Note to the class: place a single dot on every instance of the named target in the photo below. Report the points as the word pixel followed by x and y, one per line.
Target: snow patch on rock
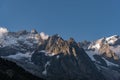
pixel 20 55
pixel 3 31
pixel 44 36
pixel 96 46
pixel 110 63
pixel 112 39
pixel 91 54
pixel 45 71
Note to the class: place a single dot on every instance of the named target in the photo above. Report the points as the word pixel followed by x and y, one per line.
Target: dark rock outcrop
pixel 5 51
pixel 34 31
pixel 11 71
pixel 65 60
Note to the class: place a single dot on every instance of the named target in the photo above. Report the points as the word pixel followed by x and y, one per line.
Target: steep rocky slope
pixel 105 54
pixel 11 71
pixel 49 57
pixel 61 59
pixel 53 58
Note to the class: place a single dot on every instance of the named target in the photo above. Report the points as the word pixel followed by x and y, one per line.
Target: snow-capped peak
pixel 44 36
pixel 112 39
pixel 108 45
pixel 114 36
pixel 97 44
pixel 3 31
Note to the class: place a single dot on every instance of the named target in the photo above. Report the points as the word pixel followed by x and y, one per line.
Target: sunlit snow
pixel 44 36
pixel 3 31
pixel 112 39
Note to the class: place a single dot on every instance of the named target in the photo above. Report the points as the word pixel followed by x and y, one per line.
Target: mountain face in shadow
pixel 11 71
pixel 66 60
pixel 53 58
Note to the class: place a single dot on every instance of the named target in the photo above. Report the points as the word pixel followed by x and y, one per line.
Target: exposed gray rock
pixel 68 62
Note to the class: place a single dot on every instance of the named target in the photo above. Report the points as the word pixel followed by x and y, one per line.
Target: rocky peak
pixel 84 44
pixel 67 59
pixel 34 31
pixel 67 62
pixel 71 40
pixel 22 32
pixel 55 44
pixel 54 38
pixel 103 46
pixel 113 40
pixel 105 50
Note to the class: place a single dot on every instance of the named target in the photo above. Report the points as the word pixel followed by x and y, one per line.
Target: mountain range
pixel 53 58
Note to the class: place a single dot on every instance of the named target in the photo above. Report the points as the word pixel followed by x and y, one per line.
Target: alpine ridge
pixel 53 58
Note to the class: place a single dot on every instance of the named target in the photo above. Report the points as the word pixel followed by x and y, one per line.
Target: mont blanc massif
pixel 31 55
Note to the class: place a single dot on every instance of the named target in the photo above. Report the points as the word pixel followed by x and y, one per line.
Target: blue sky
pixel 81 19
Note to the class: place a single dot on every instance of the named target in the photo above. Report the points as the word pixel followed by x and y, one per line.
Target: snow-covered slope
pixel 105 53
pixel 22 44
pixel 107 47
pixel 112 43
pixel 51 56
pixel 11 38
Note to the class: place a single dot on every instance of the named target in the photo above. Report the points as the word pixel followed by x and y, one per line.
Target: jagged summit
pixel 112 40
pixel 105 52
pixel 33 31
pixel 53 58
pixel 107 46
pixel 14 38
pixel 49 57
pixel 55 45
pixel 67 58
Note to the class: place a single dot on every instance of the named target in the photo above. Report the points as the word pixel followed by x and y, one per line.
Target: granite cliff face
pixel 105 53
pixel 104 48
pixel 65 60
pixel 53 58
